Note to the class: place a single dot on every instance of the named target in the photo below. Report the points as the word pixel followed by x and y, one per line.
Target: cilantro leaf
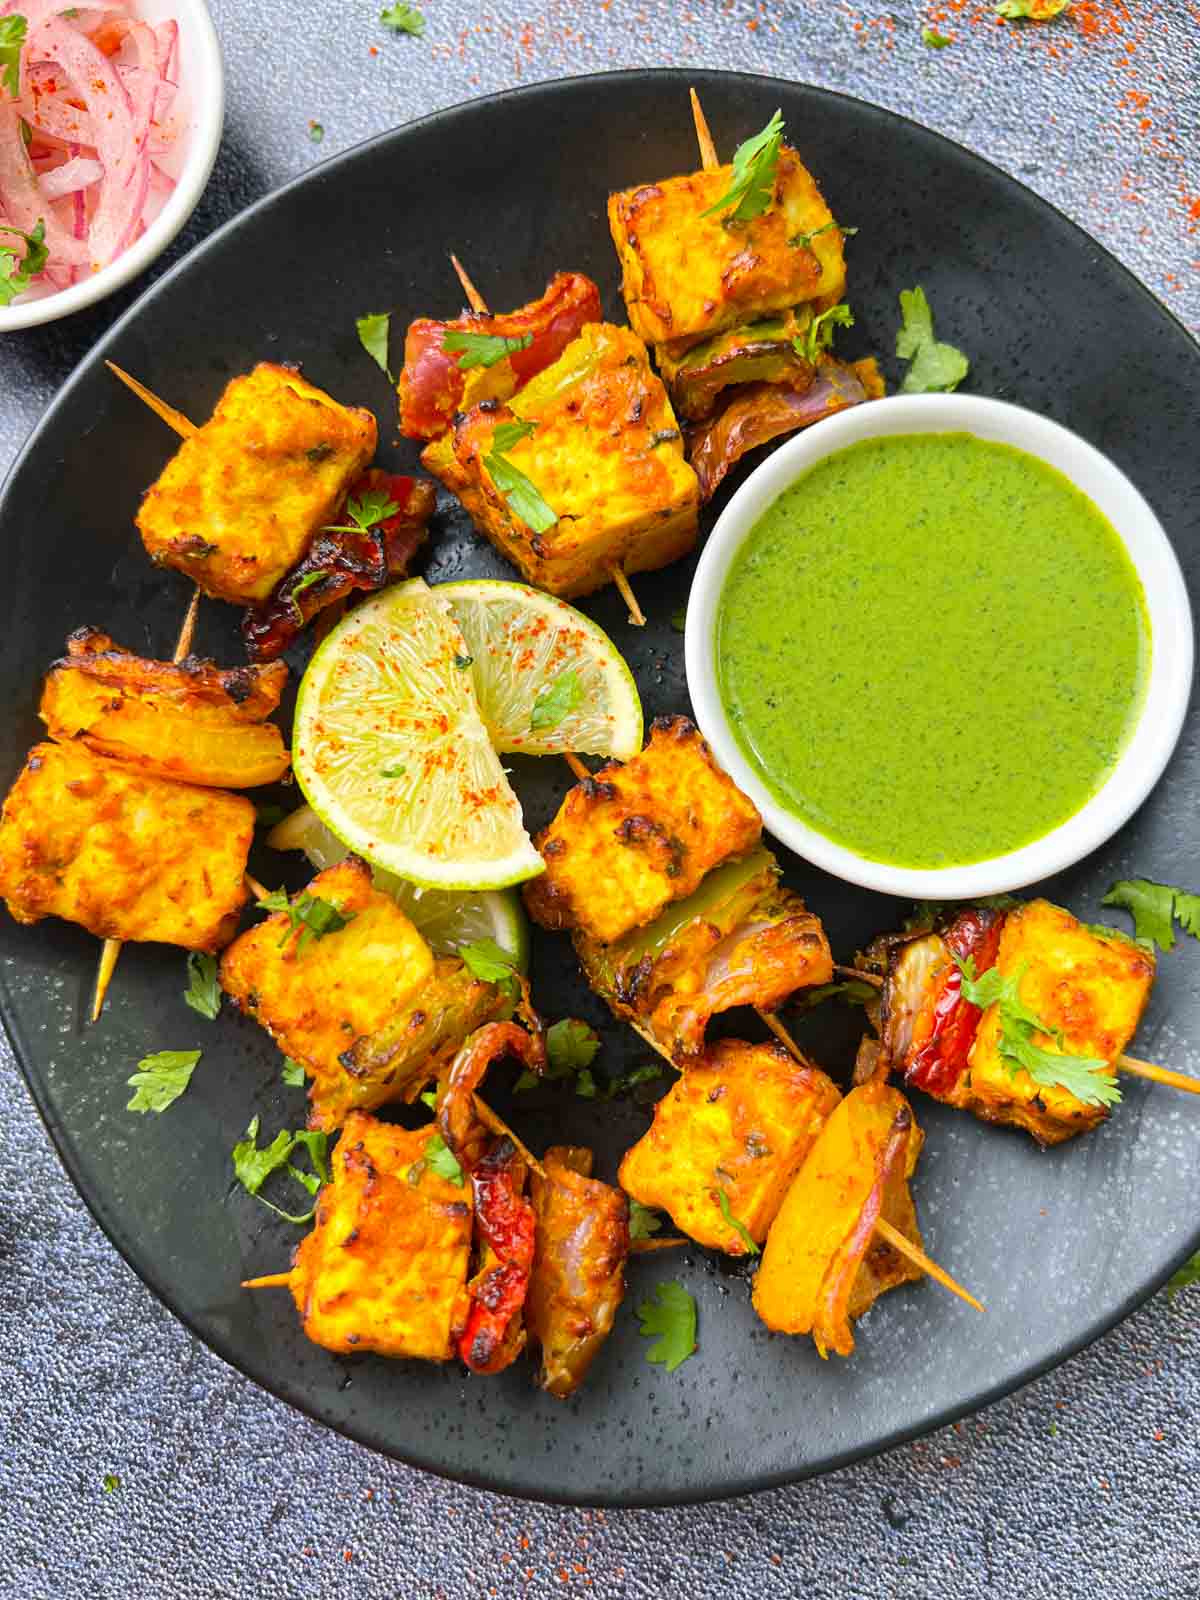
pixel 292 1073
pixel 1036 10
pixel 555 700
pixel 1188 1273
pixel 160 1079
pixel 316 132
pixel 482 349
pixel 203 992
pixel 489 962
pixel 374 506
pixel 522 496
pixel 298 588
pixel 671 1319
pixel 818 335
pixel 428 1097
pixel 110 1481
pixel 642 1221
pixel 12 37
pixel 803 241
pixel 752 183
pixel 441 1159
pixel 252 1166
pixel 585 1084
pixel 404 19
pixel 373 330
pixel 934 39
pixel 570 1047
pixel 735 1223
pixel 936 368
pixel 1153 906
pixel 17 272
pixel 308 912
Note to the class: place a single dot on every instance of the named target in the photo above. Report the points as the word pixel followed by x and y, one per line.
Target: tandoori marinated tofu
pixel 124 854
pixel 186 720
pixel 740 939
pixel 385 1266
pixel 364 1007
pixel 240 502
pixel 1089 988
pixel 823 1263
pixel 635 837
pixel 596 438
pixel 739 1124
pixel 686 275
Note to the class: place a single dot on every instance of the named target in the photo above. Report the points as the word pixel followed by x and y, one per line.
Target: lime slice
pixel 392 754
pixel 547 679
pixel 447 918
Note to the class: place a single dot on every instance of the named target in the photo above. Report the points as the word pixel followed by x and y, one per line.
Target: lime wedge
pixel 392 754
pixel 547 679
pixel 447 918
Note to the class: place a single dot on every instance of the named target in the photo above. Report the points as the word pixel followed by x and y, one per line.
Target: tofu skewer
pixel 475 300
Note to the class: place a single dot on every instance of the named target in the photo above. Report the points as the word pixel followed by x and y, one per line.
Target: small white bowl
pixel 1167 691
pixel 201 101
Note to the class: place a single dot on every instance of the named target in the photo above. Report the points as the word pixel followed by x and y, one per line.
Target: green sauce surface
pixel 932 649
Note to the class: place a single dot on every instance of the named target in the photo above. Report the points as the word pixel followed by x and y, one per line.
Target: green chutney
pixel 932 649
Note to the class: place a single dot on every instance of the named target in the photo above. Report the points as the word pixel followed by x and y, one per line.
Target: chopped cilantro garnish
pixel 372 507
pixel 555 700
pixel 482 349
pixel 522 496
pixel 803 241
pixel 203 992
pixel 292 1073
pixel 1154 907
pixel 752 183
pixel 12 37
pixel 160 1079
pixel 934 39
pixel 570 1047
pixel 17 272
pixel 298 588
pixel 818 335
pixel 312 915
pixel 936 368
pixel 735 1223
pixel 490 963
pixel 316 132
pixel 252 1166
pixel 403 19
pixel 110 1480
pixel 1035 10
pixel 373 332
pixel 670 1318
pixel 642 1221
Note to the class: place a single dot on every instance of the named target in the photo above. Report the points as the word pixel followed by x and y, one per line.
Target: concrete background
pixel 1082 1484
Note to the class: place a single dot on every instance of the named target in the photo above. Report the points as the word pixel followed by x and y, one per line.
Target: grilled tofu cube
pixel 578 1278
pixel 366 1009
pixel 636 837
pixel 738 940
pixel 823 1264
pixel 240 502
pixel 606 456
pixel 186 720
pixel 741 1122
pixel 685 275
pixel 125 855
pixel 385 1266
pixel 1090 987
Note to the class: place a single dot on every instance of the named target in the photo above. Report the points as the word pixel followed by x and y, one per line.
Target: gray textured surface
pixel 1082 1484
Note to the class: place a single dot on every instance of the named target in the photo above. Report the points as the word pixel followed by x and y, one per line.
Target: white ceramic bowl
pixel 202 103
pixel 1167 692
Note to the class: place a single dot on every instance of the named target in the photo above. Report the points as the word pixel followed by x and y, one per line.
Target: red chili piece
pixel 953 1022
pixel 506 1221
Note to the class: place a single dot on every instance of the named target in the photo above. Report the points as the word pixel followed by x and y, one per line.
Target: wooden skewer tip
pixel 576 766
pixel 917 1256
pixel 173 419
pixel 273 1280
pixel 183 645
pixel 637 616
pixel 784 1037
pixel 258 890
pixel 109 954
pixel 708 150
pixel 498 1126
pixel 474 299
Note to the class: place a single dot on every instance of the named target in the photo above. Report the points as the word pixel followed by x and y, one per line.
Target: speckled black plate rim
pixel 936 1418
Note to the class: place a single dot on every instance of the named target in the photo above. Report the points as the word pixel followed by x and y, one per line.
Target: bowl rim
pixel 207 98
pixel 1168 689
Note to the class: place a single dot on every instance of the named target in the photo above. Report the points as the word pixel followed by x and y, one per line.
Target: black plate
pixel 1057 1245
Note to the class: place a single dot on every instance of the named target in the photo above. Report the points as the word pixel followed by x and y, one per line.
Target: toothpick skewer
pixel 576 766
pixel 501 1129
pixel 917 1256
pixel 272 1280
pixel 708 150
pixel 784 1037
pixel 173 419
pixel 480 306
pixel 258 890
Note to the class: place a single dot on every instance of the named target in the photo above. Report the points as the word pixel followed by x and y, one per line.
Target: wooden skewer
pixel 173 419
pixel 708 150
pixel 918 1258
pixel 272 1280
pixel 498 1126
pixel 258 890
pixel 576 766
pixel 480 306
pixel 784 1037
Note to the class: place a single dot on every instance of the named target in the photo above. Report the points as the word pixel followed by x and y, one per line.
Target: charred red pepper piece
pixel 431 385
pixel 338 562
pixel 506 1223
pixel 946 1028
